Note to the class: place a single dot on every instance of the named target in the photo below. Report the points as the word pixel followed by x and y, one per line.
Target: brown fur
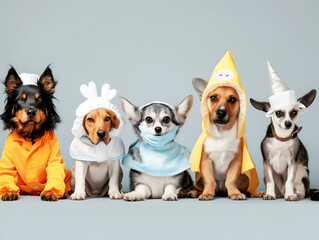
pixel 223 94
pixel 8 196
pixel 12 83
pixel 24 127
pixel 100 123
pixel 205 180
pixel 49 196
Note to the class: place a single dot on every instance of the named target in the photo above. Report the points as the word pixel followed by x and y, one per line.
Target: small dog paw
pixel 206 196
pixel 49 196
pixel 133 196
pixel 269 197
pixel 169 197
pixel 8 196
pixel 193 194
pixel 260 194
pixel 292 197
pixel 77 196
pixel 238 196
pixel 115 195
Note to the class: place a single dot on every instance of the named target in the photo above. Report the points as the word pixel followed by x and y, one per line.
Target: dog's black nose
pixel 288 124
pixel 221 113
pixel 101 134
pixel 158 129
pixel 31 112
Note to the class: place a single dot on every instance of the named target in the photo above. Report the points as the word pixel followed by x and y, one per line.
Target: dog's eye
pixel 213 98
pixel 107 119
pixel 166 119
pixel 232 100
pixel 293 113
pixel 39 100
pixel 279 114
pixel 148 119
pixel 21 100
pixel 90 119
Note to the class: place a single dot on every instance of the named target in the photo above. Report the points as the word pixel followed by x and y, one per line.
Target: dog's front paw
pixel 9 196
pixel 238 196
pixel 49 196
pixel 292 197
pixel 133 196
pixel 169 197
pixel 269 197
pixel 77 196
pixel 260 194
pixel 193 194
pixel 115 194
pixel 206 196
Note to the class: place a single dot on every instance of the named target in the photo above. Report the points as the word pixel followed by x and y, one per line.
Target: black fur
pixel 314 195
pixel 12 104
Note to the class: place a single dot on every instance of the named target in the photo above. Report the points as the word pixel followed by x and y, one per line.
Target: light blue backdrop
pixel 151 50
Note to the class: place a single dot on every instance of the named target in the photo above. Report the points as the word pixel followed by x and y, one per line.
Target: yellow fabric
pixel 232 80
pixel 33 168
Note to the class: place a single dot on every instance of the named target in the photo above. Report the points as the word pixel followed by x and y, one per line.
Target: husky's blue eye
pixel 148 119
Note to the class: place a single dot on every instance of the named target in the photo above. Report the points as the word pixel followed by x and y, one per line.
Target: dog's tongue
pixel 101 152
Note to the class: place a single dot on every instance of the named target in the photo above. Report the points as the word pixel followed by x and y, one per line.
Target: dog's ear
pixel 262 106
pixel 308 98
pixel 114 119
pixel 84 125
pixel 199 86
pixel 183 109
pixel 46 81
pixel 130 110
pixel 12 80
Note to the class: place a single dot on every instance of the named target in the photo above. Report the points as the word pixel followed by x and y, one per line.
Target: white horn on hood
pixel 276 83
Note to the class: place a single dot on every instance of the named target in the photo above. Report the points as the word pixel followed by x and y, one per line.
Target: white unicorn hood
pixel 81 147
pixel 281 95
pixel 92 102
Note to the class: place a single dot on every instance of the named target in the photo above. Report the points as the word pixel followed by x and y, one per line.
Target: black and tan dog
pixel 31 162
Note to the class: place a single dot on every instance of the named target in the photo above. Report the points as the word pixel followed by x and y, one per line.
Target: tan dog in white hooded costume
pixel 96 147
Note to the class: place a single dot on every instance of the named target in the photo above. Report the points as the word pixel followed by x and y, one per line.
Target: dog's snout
pixel 158 129
pixel 288 124
pixel 101 134
pixel 221 113
pixel 31 112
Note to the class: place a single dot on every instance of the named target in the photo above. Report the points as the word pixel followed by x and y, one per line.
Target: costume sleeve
pixel 55 170
pixel 8 173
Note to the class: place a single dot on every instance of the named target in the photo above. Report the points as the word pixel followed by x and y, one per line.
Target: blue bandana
pixel 161 155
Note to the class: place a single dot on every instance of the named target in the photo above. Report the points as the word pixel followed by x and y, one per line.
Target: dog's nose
pixel 158 129
pixel 101 134
pixel 288 124
pixel 221 113
pixel 31 112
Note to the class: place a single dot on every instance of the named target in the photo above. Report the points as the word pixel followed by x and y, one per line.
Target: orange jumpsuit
pixel 33 168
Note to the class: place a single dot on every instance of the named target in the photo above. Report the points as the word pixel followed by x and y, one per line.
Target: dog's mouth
pixel 221 122
pixel 31 122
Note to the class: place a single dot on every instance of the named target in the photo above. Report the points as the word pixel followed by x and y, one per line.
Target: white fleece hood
pixel 81 147
pixel 92 102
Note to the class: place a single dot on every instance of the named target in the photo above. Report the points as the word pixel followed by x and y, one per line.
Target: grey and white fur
pixel 286 172
pixel 157 119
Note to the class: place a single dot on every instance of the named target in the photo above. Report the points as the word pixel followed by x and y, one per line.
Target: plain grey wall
pixel 151 50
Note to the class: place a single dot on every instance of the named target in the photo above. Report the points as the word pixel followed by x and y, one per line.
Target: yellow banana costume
pixel 225 74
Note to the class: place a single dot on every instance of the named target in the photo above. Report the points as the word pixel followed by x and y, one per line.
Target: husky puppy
pixel 285 158
pixel 155 123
